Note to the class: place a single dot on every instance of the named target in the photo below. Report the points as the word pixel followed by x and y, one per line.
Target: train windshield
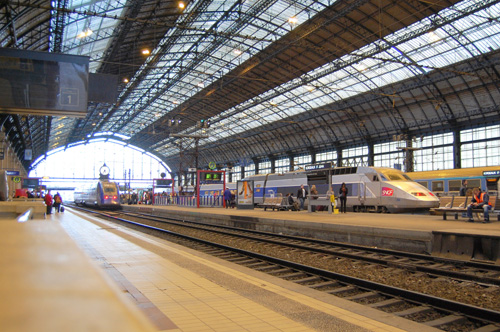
pixel 394 176
pixel 109 188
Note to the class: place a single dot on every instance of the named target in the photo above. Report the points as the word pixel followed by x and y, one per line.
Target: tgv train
pixel 448 182
pixel 102 194
pixel 371 189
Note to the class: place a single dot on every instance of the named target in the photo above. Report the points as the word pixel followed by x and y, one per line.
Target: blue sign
pixel 318 166
pixel 12 173
pixel 491 173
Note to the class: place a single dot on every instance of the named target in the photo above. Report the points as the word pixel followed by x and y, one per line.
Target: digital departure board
pixel 31 183
pixel 163 183
pixel 207 177
pixel 43 83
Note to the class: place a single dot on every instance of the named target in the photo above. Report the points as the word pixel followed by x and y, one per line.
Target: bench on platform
pixel 276 203
pixel 38 208
pixel 458 204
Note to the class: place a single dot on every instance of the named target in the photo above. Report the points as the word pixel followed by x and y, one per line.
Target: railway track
pixel 486 274
pixel 233 245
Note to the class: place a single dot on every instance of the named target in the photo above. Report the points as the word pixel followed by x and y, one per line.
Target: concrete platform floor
pixel 183 290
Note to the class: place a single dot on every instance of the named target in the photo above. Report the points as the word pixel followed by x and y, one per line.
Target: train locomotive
pixel 102 194
pixel 371 189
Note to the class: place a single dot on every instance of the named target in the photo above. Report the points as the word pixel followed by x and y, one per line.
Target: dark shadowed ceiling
pixel 274 78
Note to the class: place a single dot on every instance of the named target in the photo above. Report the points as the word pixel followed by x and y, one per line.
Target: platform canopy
pixel 260 79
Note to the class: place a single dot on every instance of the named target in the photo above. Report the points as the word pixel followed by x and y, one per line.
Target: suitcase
pixel 62 209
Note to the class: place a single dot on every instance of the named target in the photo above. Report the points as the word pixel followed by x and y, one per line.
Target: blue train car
pixel 448 182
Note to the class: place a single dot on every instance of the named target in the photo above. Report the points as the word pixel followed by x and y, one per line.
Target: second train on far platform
pixel 101 194
pixel 449 181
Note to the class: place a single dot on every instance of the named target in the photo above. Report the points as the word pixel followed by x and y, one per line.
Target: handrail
pixel 28 214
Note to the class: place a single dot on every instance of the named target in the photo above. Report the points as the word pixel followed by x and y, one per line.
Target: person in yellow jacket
pixel 333 199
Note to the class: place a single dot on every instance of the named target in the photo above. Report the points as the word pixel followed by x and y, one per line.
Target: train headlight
pixel 114 197
pixel 106 197
pixel 418 194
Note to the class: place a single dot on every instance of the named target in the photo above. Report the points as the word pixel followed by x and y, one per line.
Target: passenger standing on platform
pixel 57 202
pixel 479 201
pixel 331 196
pixel 314 195
pixel 233 200
pixel 48 202
pixel 343 198
pixel 301 196
pixel 227 198
pixel 463 188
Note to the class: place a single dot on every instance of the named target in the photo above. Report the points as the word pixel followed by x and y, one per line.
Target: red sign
pixel 387 191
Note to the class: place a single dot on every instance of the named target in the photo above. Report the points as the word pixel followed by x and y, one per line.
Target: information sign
pixel 318 166
pixel 491 173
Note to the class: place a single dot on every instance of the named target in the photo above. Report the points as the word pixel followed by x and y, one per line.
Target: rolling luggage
pixel 62 209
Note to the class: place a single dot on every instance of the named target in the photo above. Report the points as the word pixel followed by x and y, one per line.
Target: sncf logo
pixel 387 191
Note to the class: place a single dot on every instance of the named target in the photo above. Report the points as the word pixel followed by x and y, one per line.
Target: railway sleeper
pixel 257 264
pixel 492 274
pixel 326 284
pixel 362 296
pixel 414 311
pixel 241 260
pixel 387 303
pixel 214 251
pixel 225 255
pixel 296 275
pixel 310 279
pixel 488 328
pixel 250 261
pixel 268 268
pixel 446 320
pixel 281 271
pixel 341 290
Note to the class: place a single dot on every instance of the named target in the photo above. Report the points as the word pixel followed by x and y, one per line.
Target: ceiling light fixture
pixel 84 33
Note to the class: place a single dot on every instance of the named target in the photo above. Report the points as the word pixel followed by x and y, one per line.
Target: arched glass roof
pixel 349 70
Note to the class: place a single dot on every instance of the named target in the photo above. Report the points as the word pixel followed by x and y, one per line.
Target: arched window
pixel 82 161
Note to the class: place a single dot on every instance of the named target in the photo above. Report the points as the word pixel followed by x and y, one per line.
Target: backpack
pixel 58 199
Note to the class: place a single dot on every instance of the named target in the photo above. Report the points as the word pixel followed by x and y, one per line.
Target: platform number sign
pixel 69 97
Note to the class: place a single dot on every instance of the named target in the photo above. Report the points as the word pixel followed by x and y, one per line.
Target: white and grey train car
pixel 102 194
pixel 371 189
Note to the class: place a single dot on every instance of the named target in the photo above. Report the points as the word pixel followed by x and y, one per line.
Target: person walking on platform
pixel 57 202
pixel 480 200
pixel 343 198
pixel 48 202
pixel 227 198
pixel 301 196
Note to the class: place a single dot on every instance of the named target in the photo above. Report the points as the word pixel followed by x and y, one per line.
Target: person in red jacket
pixel 480 200
pixel 48 202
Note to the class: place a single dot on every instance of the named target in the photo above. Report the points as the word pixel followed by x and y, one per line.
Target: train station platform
pixel 48 284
